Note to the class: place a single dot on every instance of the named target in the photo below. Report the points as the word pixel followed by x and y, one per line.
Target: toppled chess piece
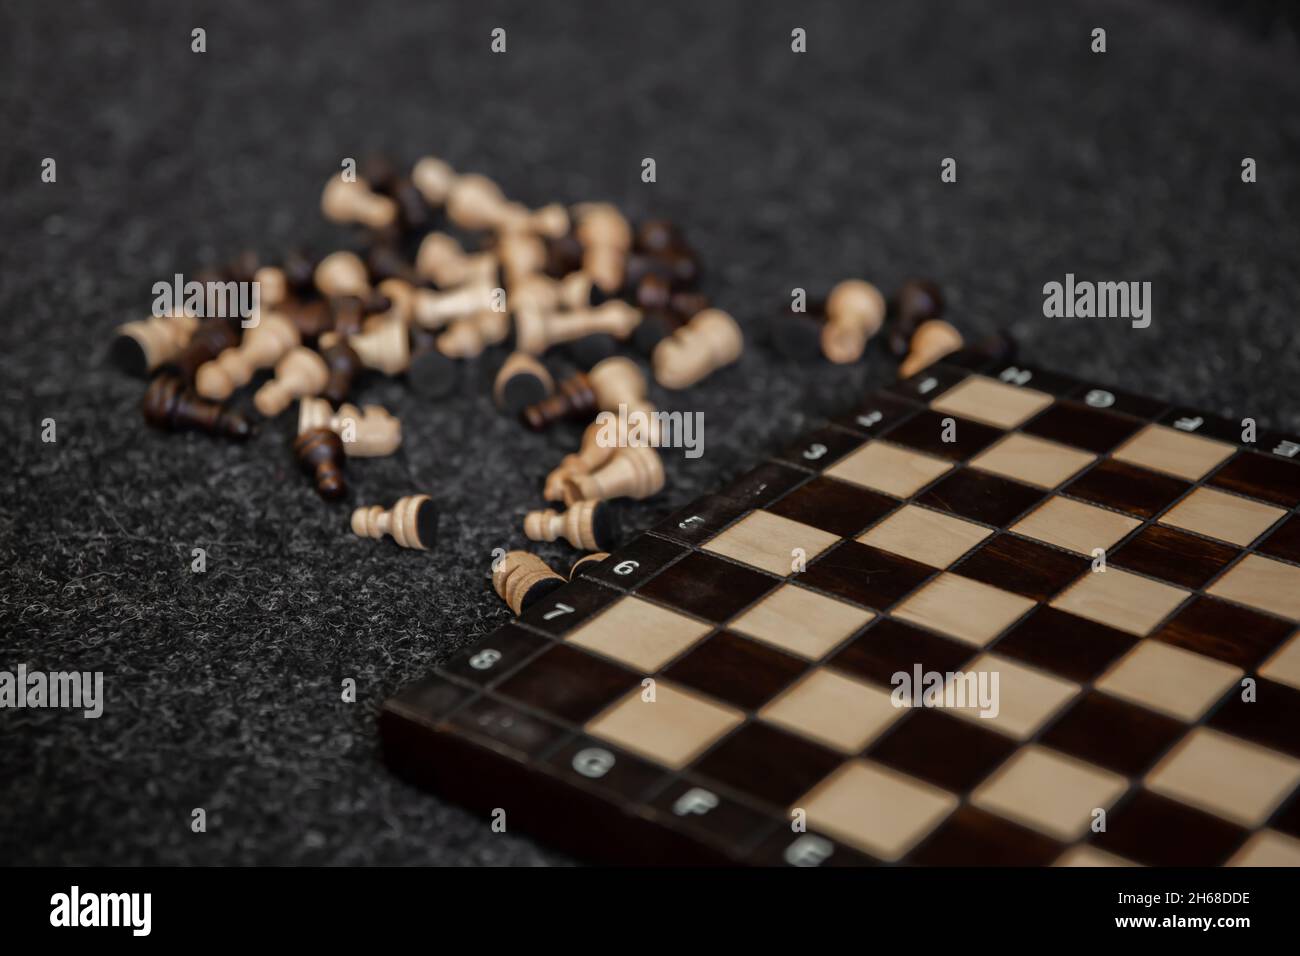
pixel 709 341
pixel 931 341
pixel 319 451
pixel 613 382
pixel 342 273
pixel 855 310
pixel 521 579
pixel 917 301
pixel 353 201
pixel 606 239
pixel 301 372
pixel 170 405
pixel 588 525
pixel 412 522
pixel 537 331
pixel 635 472
pixel 210 339
pixel 442 259
pixel 590 456
pixel 521 381
pixel 586 563
pixel 369 432
pixel 264 344
pixel 143 346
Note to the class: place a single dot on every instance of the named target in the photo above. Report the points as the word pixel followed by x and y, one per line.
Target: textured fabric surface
pixel 223 688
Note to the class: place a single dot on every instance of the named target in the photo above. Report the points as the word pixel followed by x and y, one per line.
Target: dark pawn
pixel 563 256
pixel 243 268
pixel 344 364
pixel 299 271
pixel 320 454
pixel 170 405
pixel 210 339
pixel 657 236
pixel 683 268
pixel 654 292
pixel 386 262
pixel 312 318
pixel 348 312
pixel 574 398
pixel 638 266
pixel 918 300
pixel 688 302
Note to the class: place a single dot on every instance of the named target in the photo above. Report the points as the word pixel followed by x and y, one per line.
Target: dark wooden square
pixel 930 383
pixel 890 646
pixel 1064 644
pixel 497 654
pixel 1127 488
pixel 708 587
pixel 1118 400
pixel 503 725
pixel 428 700
pixel 1267 477
pixel 737 670
pixel 569 683
pixel 982 497
pixel 1224 631
pixel 971 837
pixel 1195 422
pixel 1022 567
pixel 1156 831
pixel 946 751
pixel 834 506
pixel 1174 556
pixel 821 449
pixel 866 575
pixel 630 566
pixel 701 519
pixel 878 411
pixel 1285 541
pixel 568 606
pixel 1071 423
pixel 768 763
pixel 764 484
pixel 925 432
pixel 1113 733
pixel 1272 719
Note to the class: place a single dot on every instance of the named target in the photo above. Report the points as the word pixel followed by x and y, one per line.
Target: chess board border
pixel 433 735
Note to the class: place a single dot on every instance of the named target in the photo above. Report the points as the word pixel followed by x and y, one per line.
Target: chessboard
pixel 724 689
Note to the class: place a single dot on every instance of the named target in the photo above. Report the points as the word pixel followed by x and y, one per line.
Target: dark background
pixel 785 170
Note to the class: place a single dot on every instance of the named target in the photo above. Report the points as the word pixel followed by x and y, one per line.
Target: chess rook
pixel 521 579
pixel 520 382
pixel 170 405
pixel 142 346
pixel 634 472
pixel 301 372
pixel 353 202
pixel 264 344
pixel 917 301
pixel 320 454
pixel 706 343
pixel 615 381
pixel 412 522
pixel 855 311
pixel 369 432
pixel 588 525
pixel 931 341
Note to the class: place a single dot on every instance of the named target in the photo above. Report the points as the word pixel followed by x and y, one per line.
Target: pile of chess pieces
pixel 446 270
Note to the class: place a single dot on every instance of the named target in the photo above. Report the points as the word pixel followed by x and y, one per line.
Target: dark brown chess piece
pixel 170 405
pixel 210 339
pixel 319 452
pixel 344 364
pixel 613 382
pixel 917 301
pixel 312 318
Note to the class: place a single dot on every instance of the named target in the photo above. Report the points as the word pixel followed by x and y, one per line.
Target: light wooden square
pixel 1168 679
pixel 1075 526
pixel 1262 583
pixel 877 810
pixel 833 709
pixel 1121 600
pixel 1284 665
pixel 1049 792
pixel 1217 514
pixel 1268 848
pixel 673 729
pixel 927 536
pixel 971 611
pixel 1026 697
pixel 888 468
pixel 801 621
pixel 991 402
pixel 768 541
pixel 1226 776
pixel 1035 461
pixel 639 634
pixel 1082 854
pixel 1173 452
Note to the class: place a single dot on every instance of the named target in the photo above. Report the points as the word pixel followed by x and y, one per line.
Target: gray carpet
pixel 224 688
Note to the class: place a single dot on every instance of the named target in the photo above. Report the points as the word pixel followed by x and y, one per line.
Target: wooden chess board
pixel 697 697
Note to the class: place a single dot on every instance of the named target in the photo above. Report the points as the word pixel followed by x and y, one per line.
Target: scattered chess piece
pixel 590 350
pixel 312 318
pixel 855 310
pixel 433 310
pixel 343 363
pixel 586 563
pixel 588 525
pixel 319 452
pixel 653 292
pixel 931 341
pixel 655 326
pixel 342 273
pixel 433 178
pixel 386 349
pixel 520 254
pixel 298 268
pixel 170 405
pixel 537 331
pixel 264 344
pixel 349 202
pixel 412 522
pixel 709 341
pixel 210 339
pixel 563 255
pixel 301 372
pixel 430 374
pixel 521 381
pixel 476 203
pixel 918 300
pixel 615 381
pixel 443 260
pixel 468 337
pixel 272 286
pixel 413 212
pixel 384 262
pixel 688 303
pixel 369 432
pixel 657 237
pixel 589 456
pixel 635 472
pixel 142 346
pixel 521 579
pixel 606 240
